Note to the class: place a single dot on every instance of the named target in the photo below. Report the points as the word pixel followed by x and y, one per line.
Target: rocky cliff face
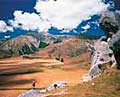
pixel 110 22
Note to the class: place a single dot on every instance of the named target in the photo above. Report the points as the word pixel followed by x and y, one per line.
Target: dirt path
pixel 14 79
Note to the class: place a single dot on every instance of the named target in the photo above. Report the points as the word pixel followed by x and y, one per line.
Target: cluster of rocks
pixel 43 92
pixel 110 22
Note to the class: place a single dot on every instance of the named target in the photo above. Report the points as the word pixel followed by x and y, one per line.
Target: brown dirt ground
pixel 14 79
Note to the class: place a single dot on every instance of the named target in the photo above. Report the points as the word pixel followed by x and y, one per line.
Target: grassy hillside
pixel 107 85
pixel 71 47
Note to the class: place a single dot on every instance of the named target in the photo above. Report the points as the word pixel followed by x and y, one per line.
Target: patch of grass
pixel 107 85
pixel 77 88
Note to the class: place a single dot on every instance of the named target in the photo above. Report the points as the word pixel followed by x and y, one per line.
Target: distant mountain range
pixel 27 44
pixel 19 46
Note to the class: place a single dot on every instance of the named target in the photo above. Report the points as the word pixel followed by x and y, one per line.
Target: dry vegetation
pixel 107 85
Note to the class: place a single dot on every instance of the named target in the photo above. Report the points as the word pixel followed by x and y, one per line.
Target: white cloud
pixel 66 30
pixel 96 23
pixel 86 27
pixel 7 36
pixel 4 27
pixel 68 13
pixel 10 28
pixel 65 15
pixel 29 21
pixel 75 31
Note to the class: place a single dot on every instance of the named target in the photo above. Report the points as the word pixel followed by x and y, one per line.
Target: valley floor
pixel 17 74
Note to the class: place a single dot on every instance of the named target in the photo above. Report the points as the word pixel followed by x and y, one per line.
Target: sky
pixel 60 17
